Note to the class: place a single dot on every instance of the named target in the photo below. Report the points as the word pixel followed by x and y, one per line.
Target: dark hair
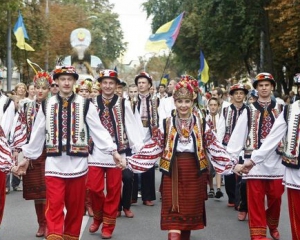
pixel 219 91
pixel 285 98
pixel 213 99
pixel 276 94
pixel 162 85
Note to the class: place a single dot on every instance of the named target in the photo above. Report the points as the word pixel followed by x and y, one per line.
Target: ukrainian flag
pixel 165 80
pixel 21 33
pixel 204 69
pixel 165 36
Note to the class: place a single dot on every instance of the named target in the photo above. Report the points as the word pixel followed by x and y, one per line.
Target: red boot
pixel 40 213
pixel 88 204
pixel 185 235
pixel 173 236
pixel 95 226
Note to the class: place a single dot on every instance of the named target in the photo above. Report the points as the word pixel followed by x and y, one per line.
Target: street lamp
pixel 284 75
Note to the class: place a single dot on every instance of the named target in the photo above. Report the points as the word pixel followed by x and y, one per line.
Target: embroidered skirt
pixel 34 186
pixel 191 194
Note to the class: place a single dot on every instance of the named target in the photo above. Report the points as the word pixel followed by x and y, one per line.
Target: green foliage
pixel 228 32
pixel 52 35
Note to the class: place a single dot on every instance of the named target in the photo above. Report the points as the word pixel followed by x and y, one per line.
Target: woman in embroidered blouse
pixel 184 165
pixel 34 187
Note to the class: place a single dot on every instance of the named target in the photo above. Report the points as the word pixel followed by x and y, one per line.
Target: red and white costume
pixel 64 125
pixel 286 127
pixel 265 179
pixel 118 119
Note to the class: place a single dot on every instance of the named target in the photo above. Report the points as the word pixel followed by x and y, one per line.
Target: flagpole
pixel 8 60
pixel 167 63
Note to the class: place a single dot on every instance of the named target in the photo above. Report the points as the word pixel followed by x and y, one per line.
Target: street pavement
pixel 19 222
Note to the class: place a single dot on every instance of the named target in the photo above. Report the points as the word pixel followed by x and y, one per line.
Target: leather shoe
pixel 106 235
pixel 94 227
pixel 128 213
pixel 133 201
pixel 148 203
pixel 242 216
pixel 118 214
pixel 275 234
pixel 230 205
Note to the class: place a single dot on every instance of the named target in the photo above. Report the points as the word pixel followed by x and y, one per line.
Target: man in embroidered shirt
pixel 285 127
pixel 117 117
pixel 147 107
pixel 265 179
pixel 226 125
pixel 68 119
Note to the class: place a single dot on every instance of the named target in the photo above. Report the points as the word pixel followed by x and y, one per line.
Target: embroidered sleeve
pixel 144 159
pixel 220 159
pixel 19 137
pixel 5 154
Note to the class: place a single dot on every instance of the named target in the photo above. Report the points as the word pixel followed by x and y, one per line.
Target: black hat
pixel 264 77
pixel 65 70
pixel 143 75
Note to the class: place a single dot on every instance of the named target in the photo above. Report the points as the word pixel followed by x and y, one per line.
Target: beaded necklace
pixel 184 128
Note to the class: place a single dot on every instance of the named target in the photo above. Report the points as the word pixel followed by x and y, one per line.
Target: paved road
pixel 19 222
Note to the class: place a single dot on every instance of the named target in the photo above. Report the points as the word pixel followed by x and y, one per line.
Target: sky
pixel 135 25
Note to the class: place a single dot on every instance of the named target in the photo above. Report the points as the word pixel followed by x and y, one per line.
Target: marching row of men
pixel 61 129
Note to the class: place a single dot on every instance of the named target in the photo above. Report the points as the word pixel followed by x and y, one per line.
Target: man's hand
pixel 248 165
pixel 117 158
pixel 22 167
pixel 238 169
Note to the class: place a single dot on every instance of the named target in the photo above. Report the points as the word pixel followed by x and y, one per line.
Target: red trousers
pixel 294 210
pixel 2 194
pixel 259 217
pixel 60 193
pixel 105 207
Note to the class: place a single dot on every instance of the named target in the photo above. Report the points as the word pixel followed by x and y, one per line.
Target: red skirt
pixel 34 186
pixel 192 193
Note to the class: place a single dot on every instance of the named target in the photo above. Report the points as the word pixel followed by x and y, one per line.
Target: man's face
pixel 132 92
pixel 162 89
pixel 108 86
pixel 213 106
pixel 264 89
pixel 66 84
pixel 171 86
pixel 143 85
pixel 54 88
pixel 214 94
pixel 238 96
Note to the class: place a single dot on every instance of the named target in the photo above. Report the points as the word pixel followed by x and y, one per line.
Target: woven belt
pixel 145 123
pixel 64 148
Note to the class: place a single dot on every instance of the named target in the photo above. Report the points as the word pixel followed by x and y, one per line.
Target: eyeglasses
pixel 54 85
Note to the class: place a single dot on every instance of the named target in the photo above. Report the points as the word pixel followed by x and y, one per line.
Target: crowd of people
pixel 96 144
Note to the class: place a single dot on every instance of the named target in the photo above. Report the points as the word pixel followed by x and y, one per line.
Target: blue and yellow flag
pixel 165 36
pixel 203 71
pixel 165 80
pixel 21 33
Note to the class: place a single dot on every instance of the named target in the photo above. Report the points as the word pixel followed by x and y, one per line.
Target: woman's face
pixel 21 91
pixel 42 93
pixel 31 90
pixel 183 107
